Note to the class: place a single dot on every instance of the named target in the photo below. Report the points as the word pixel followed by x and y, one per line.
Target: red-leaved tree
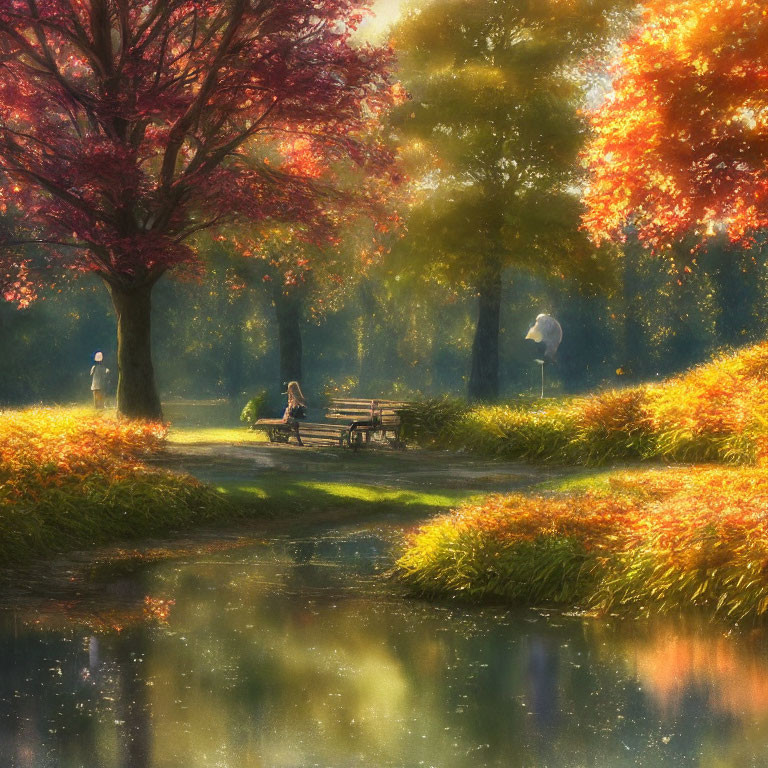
pixel 680 144
pixel 127 127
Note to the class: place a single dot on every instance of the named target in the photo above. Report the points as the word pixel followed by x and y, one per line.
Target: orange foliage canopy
pixel 680 144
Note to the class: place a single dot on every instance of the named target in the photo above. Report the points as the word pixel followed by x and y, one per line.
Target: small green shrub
pixel 534 433
pixel 254 408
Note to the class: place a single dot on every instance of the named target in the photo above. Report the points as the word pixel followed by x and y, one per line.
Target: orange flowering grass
pixel 71 477
pixel 715 412
pixel 44 447
pixel 647 541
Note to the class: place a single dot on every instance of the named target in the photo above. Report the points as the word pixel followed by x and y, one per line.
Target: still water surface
pixel 295 652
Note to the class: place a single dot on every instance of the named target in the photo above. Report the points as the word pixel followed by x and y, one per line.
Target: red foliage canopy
pixel 681 142
pixel 127 126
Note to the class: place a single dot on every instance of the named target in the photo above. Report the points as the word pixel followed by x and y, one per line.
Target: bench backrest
pixel 363 409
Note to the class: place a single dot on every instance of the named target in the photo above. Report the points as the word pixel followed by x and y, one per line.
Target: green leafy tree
pixel 492 134
pixel 303 280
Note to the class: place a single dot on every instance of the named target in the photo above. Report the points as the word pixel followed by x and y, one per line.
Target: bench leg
pixel 278 435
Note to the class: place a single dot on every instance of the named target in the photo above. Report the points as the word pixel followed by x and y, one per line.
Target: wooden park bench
pixel 350 422
pixel 369 419
pixel 305 432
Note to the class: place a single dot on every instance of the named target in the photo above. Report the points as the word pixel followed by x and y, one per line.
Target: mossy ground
pixel 283 496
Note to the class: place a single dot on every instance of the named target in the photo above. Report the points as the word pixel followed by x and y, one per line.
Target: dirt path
pixel 415 470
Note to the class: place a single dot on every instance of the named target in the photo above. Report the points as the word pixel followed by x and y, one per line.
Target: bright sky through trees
pixel 386 13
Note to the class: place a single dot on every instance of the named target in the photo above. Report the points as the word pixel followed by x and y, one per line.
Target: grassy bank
pixel 196 435
pixel 715 412
pixel 639 541
pixel 72 478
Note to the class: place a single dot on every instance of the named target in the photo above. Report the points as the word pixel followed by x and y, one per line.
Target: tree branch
pixel 192 114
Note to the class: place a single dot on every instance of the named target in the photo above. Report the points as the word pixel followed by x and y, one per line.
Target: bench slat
pixel 378 412
pixel 360 416
pixel 367 402
pixel 383 407
pixel 333 430
pixel 352 400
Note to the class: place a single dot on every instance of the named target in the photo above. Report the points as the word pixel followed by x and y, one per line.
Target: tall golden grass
pixel 715 412
pixel 71 477
pixel 653 540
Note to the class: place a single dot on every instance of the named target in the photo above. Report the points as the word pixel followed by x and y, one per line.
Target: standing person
pixel 297 405
pixel 98 380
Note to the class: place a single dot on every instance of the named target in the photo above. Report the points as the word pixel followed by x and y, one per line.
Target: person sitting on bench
pixel 297 405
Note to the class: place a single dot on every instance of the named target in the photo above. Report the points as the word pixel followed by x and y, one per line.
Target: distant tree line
pixel 384 334
pixel 279 203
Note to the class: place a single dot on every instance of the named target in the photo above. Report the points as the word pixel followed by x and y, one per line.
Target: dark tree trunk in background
pixel 288 311
pixel 586 355
pixel 234 362
pixel 368 348
pixel 484 377
pixel 137 395
pixel 635 346
pixel 736 278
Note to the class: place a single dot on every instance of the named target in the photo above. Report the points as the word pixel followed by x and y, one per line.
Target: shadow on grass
pixel 280 497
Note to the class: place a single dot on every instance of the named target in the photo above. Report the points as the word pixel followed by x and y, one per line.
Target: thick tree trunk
pixel 288 311
pixel 484 377
pixel 136 391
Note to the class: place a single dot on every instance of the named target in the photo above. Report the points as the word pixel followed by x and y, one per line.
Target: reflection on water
pixel 675 664
pixel 295 653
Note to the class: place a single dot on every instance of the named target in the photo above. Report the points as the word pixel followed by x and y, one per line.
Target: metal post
pixel 541 363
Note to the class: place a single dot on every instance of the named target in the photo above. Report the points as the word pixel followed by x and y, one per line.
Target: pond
pixel 296 650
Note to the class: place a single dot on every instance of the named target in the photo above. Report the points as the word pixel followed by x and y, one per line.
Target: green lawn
pixel 282 496
pixel 194 435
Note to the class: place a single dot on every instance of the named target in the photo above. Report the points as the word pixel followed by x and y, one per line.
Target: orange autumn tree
pixel 680 143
